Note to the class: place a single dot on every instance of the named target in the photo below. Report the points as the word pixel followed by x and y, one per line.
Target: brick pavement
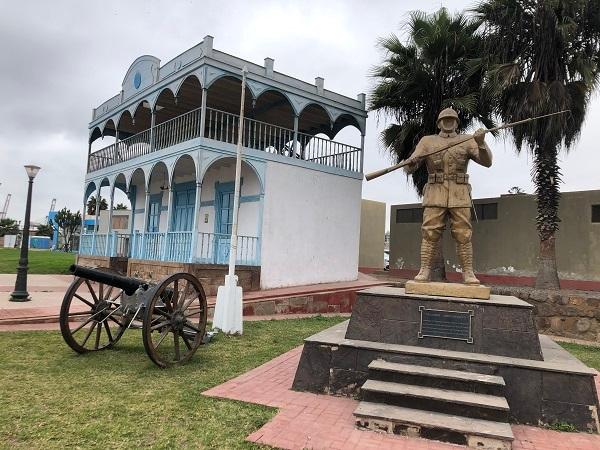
pixel 47 292
pixel 315 421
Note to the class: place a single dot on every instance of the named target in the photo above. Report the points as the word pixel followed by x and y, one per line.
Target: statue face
pixel 447 125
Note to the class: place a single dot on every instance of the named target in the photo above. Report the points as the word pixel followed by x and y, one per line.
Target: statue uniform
pixel 448 194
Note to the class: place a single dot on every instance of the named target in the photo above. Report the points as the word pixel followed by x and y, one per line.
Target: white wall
pixel 311 227
pixel 248 213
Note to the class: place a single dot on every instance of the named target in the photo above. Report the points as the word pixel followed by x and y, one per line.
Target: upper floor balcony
pixel 195 98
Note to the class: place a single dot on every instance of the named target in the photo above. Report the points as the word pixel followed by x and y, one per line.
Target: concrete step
pixel 480 434
pixel 460 403
pixel 434 377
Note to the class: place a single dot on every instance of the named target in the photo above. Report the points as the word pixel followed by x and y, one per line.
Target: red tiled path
pixel 315 421
pixel 47 292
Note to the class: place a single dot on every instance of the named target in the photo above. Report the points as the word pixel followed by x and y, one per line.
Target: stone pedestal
pixel 448 289
pixel 450 362
pixel 502 325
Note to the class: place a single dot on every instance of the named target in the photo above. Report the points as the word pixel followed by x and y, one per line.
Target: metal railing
pixel 176 246
pixel 85 244
pixel 223 126
pixel 179 129
pixel 213 248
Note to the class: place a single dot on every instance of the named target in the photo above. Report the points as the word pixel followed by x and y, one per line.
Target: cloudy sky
pixel 62 58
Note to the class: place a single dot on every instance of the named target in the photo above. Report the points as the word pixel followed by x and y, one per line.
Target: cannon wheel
pixel 89 316
pixel 175 320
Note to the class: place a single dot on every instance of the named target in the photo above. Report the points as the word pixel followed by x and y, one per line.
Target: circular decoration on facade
pixel 137 80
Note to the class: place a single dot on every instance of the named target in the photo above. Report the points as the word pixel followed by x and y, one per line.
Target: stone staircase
pixel 447 405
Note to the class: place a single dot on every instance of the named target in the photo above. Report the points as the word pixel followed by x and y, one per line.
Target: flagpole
pixel 228 309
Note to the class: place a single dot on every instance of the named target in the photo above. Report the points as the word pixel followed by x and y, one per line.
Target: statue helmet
pixel 448 112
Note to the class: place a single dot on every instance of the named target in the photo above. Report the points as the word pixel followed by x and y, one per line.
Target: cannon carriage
pixel 99 306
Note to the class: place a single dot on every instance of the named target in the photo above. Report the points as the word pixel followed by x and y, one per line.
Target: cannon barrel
pixel 127 284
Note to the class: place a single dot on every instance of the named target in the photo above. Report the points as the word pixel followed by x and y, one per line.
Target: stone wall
pixel 572 314
pixel 210 275
pixel 114 263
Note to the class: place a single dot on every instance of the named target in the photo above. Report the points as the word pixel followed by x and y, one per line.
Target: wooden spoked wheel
pixel 90 316
pixel 175 320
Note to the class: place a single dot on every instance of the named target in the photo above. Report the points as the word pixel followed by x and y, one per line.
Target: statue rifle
pixel 378 173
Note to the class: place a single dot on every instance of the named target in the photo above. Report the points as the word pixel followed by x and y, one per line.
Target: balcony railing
pixel 224 127
pixel 177 246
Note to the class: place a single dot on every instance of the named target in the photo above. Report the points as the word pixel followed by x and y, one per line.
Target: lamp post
pixel 20 293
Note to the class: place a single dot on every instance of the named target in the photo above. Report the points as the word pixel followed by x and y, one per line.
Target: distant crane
pixel 52 206
pixel 5 209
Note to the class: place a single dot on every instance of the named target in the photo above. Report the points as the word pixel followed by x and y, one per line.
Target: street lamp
pixel 20 293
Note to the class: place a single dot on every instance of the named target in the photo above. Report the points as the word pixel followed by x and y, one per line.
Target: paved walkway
pixel 47 292
pixel 315 421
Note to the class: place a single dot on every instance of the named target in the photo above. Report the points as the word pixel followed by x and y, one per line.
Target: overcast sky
pixel 62 58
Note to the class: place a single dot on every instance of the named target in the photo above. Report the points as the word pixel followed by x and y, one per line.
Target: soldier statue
pixel 448 192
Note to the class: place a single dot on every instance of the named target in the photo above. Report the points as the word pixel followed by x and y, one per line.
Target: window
pixel 596 213
pixel 485 211
pixel 120 222
pixel 410 215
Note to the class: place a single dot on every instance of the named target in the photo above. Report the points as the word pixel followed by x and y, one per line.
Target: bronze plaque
pixel 446 324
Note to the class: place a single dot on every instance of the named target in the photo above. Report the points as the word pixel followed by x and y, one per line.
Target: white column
pixel 145 222
pixel 131 220
pixel 152 123
pixel 362 151
pixel 96 219
pixel 110 218
pixel 203 114
pixel 194 250
pixel 169 221
pixel 293 155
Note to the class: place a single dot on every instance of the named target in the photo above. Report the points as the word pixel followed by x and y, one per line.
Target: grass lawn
pixel 590 356
pixel 51 397
pixel 40 261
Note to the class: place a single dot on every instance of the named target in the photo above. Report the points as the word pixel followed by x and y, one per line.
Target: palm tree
pixel 546 57
pixel 91 205
pixel 439 66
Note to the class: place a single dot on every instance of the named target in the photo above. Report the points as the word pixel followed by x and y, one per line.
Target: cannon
pixel 100 305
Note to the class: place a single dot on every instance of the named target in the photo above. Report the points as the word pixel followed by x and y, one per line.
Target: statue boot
pixel 427 251
pixel 465 256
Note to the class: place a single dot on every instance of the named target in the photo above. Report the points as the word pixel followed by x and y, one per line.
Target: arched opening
pixel 126 126
pixel 158 188
pixel 120 225
pixel 216 213
pixel 273 107
pixel 184 195
pixel 224 95
pixel 178 118
pixel 223 109
pixel 313 120
pixel 137 198
pixel 142 117
pixel 189 94
pixel 105 138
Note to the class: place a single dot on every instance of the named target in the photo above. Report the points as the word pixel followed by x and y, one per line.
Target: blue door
pixel 154 213
pixel 183 213
pixel 224 214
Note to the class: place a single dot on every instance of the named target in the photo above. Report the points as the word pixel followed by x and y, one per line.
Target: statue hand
pixel 479 137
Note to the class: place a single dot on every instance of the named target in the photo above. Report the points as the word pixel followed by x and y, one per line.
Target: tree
pixel 8 226
pixel 119 206
pixel 67 223
pixel 45 230
pixel 439 66
pixel 91 205
pixel 545 58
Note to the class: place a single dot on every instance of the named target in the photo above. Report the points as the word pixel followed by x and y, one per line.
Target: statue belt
pixel 460 178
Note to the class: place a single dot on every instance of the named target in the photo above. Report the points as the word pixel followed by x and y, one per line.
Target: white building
pixel 175 127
